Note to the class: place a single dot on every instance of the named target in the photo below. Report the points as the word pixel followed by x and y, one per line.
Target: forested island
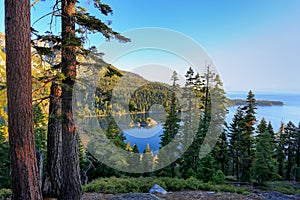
pixel 241 102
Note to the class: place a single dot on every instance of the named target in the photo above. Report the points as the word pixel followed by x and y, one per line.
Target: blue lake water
pixel 289 112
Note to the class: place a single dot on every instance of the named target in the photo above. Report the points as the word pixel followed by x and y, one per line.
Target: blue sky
pixel 255 44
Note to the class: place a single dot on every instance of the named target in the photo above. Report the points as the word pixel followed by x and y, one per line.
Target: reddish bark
pixel 71 189
pixel 24 171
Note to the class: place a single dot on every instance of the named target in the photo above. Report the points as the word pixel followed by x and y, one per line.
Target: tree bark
pixel 71 189
pixel 52 183
pixel 24 171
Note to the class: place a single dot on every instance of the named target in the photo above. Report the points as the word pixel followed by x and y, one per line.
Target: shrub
pixel 218 178
pixel 143 184
pixel 5 194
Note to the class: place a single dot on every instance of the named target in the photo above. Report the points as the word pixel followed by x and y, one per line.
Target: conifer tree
pixel 220 153
pixel 70 44
pixel 236 148
pixel 248 135
pixel 171 127
pixel 264 166
pixel 207 168
pixel 189 161
pixel 290 148
pixel 148 160
pixel 280 150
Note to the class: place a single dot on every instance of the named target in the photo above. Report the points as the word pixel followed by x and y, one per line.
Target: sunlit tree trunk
pixel 24 171
pixel 71 189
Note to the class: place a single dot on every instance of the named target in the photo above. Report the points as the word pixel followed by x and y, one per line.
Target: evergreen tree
pixel 191 121
pixel 171 127
pixel 207 168
pixel 280 151
pixel 24 172
pixel 236 147
pixel 290 148
pixel 220 153
pixel 262 127
pixel 148 160
pixel 271 131
pixel 248 136
pixel 265 166
pixel 71 44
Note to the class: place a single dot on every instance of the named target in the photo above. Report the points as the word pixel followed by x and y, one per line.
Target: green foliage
pixel 4 158
pixel 282 187
pixel 206 169
pixel 264 167
pixel 242 102
pixel 220 153
pixel 5 194
pixel 290 148
pixel 218 178
pixel 142 184
pixel 40 129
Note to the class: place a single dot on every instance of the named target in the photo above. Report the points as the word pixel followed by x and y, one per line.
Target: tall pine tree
pixel 171 127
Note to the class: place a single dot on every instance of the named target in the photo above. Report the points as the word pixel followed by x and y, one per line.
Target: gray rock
pixel 157 189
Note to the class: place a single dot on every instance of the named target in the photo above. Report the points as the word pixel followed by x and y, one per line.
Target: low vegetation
pixel 284 187
pixel 143 184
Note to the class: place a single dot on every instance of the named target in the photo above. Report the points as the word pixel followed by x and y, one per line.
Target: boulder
pixel 157 189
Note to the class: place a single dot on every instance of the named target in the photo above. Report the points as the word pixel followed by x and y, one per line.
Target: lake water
pixel 289 112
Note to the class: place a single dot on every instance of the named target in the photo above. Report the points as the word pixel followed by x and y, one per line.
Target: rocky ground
pixel 192 195
pixel 183 195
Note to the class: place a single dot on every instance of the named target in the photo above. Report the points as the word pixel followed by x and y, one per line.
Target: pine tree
pixel 148 160
pixel 70 44
pixel 171 127
pixel 24 171
pixel 264 166
pixel 248 136
pixel 207 168
pixel 236 147
pixel 220 153
pixel 290 147
pixel 191 122
pixel 280 150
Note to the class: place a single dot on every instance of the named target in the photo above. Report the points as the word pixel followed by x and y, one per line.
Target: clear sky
pixel 255 44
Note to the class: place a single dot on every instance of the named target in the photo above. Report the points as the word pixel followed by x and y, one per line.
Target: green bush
pixel 5 194
pixel 282 187
pixel 218 178
pixel 143 184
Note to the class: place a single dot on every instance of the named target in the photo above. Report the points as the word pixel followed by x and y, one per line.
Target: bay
pixel 290 111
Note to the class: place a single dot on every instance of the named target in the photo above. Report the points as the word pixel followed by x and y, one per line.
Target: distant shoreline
pixel 241 102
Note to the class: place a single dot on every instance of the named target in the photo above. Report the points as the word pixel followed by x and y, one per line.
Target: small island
pixel 149 122
pixel 241 102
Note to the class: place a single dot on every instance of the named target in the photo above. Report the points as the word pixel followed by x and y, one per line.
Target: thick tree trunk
pixel 52 183
pixel 24 171
pixel 71 189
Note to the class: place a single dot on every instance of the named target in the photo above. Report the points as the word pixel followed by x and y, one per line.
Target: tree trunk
pixel 71 189
pixel 52 183
pixel 24 171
